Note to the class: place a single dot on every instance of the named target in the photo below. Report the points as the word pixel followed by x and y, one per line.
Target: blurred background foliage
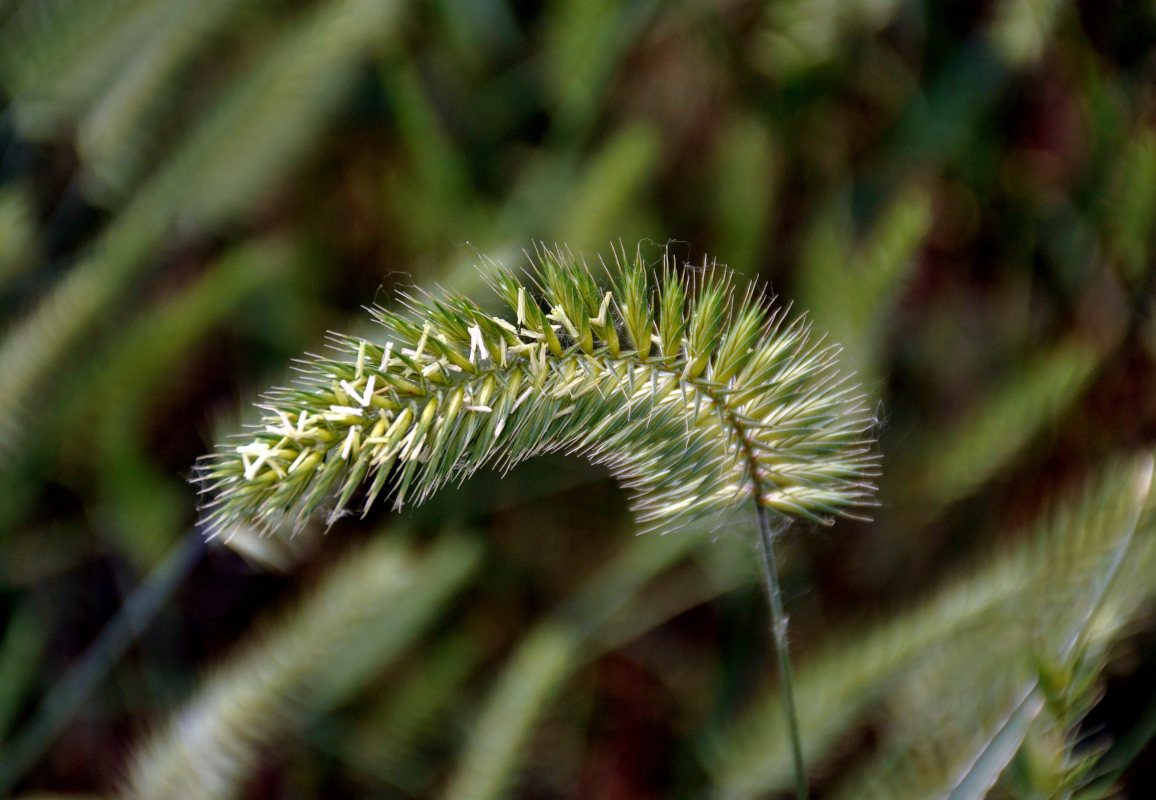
pixel 962 193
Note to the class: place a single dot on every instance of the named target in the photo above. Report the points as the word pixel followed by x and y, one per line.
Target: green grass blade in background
pixel 803 35
pixel 394 742
pixel 610 190
pixel 362 616
pixel 21 651
pixel 118 136
pixel 955 651
pixel 960 458
pixel 76 687
pixel 546 657
pixel 245 144
pixel 18 232
pixel 748 171
pixel 1130 206
pixel 853 291
pixel 1021 29
pixel 57 56
pixel 585 43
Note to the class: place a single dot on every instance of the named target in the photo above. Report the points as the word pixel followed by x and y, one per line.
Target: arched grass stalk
pixel 779 631
pixel 695 396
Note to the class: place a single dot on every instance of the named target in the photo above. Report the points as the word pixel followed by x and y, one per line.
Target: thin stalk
pixel 779 629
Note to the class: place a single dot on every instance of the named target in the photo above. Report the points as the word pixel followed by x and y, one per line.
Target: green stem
pixel 779 628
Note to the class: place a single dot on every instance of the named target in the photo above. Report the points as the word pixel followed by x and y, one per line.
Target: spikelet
pixel 695 396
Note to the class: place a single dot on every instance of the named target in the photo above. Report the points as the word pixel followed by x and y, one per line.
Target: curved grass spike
pixel 695 396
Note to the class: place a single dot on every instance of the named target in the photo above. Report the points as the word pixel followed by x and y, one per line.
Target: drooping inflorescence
pixel 695 396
